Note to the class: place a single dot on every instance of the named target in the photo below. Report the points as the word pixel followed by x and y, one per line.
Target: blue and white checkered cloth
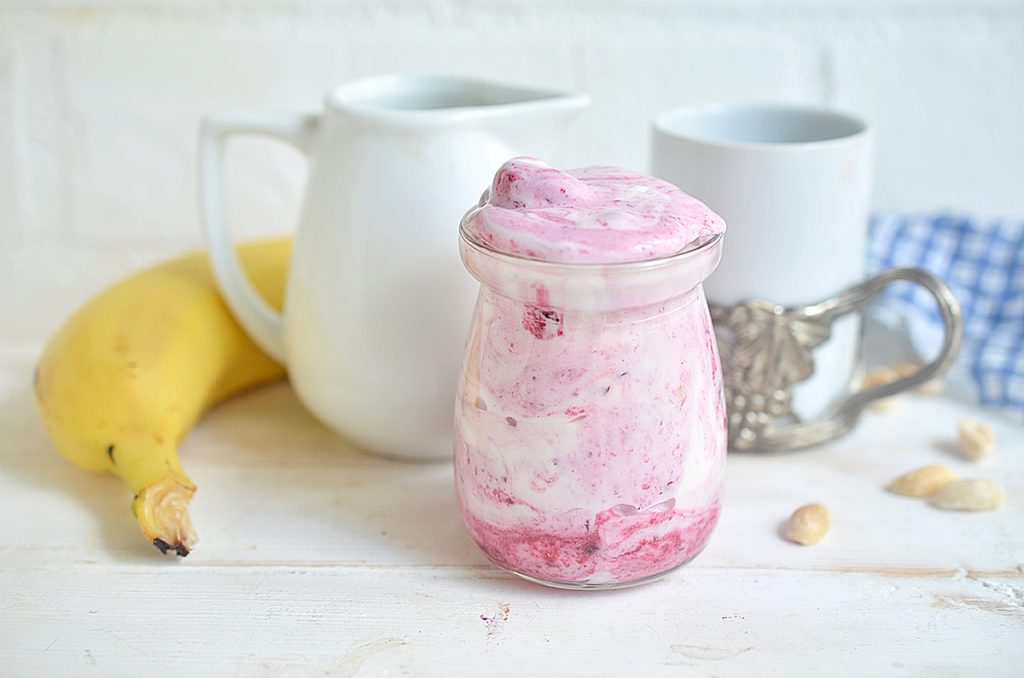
pixel 984 265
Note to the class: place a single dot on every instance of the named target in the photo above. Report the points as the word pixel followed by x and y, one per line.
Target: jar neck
pixel 591 287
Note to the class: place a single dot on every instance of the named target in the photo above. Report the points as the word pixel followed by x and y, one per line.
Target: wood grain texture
pixel 315 559
pixel 441 621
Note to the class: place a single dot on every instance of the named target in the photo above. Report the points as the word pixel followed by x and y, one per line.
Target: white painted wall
pixel 100 101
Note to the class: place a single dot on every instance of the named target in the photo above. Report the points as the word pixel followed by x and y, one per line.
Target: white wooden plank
pixel 316 558
pixel 348 621
pixel 276 487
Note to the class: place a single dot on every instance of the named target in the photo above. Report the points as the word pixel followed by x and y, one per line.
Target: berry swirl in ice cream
pixel 596 215
pixel 590 420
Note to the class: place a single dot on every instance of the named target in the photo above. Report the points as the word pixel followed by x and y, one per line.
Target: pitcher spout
pixel 536 121
pixel 423 102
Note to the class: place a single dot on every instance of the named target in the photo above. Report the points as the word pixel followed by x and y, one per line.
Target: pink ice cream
pixel 588 215
pixel 590 421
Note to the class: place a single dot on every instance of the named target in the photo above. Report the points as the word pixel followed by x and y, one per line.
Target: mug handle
pixel 846 414
pixel 263 323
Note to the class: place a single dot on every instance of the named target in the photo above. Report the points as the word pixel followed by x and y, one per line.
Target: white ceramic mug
pixel 793 184
pixel 377 300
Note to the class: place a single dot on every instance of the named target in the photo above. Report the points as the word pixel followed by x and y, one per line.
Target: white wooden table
pixel 317 560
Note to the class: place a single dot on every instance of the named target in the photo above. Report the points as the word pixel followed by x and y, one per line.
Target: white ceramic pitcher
pixel 377 304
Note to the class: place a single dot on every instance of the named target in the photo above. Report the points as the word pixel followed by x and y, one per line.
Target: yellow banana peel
pixel 124 380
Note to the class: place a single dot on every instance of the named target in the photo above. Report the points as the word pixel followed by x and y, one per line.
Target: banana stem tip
pixel 162 511
pixel 180 548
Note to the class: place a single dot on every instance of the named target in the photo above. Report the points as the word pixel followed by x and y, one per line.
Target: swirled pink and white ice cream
pixel 590 422
pixel 590 215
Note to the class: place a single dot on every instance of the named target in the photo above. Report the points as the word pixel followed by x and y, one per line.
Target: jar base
pixel 584 586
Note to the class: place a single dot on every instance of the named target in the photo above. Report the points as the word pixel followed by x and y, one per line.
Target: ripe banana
pixel 122 382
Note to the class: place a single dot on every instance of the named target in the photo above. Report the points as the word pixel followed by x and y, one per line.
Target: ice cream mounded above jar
pixel 590 420
pixel 592 215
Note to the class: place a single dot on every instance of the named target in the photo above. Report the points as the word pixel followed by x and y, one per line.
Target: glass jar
pixel 590 425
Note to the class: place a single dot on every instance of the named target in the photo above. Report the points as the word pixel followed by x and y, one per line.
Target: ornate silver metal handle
pixel 767 350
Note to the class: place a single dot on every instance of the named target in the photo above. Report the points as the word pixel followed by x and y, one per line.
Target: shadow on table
pixel 31 460
pixel 268 468
pixel 323 500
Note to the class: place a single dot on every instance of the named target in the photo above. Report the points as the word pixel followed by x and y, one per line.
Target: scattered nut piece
pixel 877 377
pixel 885 404
pixel 906 369
pixel 923 482
pixel 977 440
pixel 808 525
pixel 933 387
pixel 880 375
pixel 885 375
pixel 970 495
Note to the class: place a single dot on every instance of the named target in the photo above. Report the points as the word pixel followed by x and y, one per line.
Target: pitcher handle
pixel 259 319
pixel 862 294
pixel 752 426
pixel 857 298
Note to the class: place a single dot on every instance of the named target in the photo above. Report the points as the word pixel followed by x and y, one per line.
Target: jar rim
pixel 692 250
